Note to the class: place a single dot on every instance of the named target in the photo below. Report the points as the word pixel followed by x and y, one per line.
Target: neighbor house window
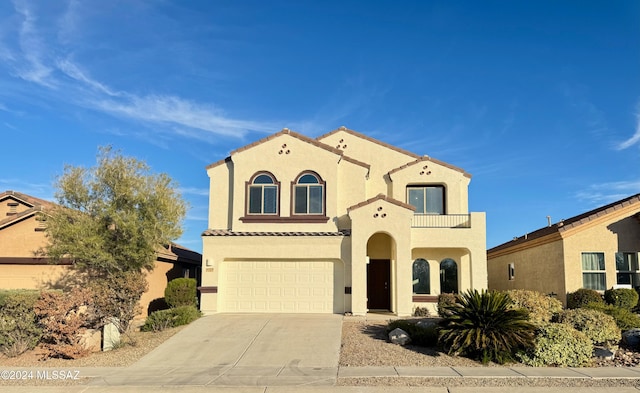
pixel 512 271
pixel 263 194
pixel 308 194
pixel 593 275
pixel 421 285
pixel 627 269
pixel 448 276
pixel 426 199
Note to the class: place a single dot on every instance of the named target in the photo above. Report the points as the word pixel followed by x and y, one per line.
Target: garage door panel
pixel 277 286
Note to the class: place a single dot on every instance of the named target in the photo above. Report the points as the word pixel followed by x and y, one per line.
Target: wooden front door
pixel 379 284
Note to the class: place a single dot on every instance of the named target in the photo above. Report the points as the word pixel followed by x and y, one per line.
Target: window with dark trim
pixel 627 272
pixel 309 194
pixel 427 199
pixel 263 194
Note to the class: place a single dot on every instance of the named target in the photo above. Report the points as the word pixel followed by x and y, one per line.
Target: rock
pixel 110 335
pixel 604 353
pixel 399 336
pixel 90 339
pixel 631 338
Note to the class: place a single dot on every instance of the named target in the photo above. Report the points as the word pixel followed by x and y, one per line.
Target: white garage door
pixel 268 286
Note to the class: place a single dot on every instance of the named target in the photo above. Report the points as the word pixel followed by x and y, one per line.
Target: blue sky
pixel 538 100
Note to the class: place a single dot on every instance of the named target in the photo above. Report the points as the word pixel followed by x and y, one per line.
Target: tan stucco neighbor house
pixel 597 250
pixel 22 226
pixel 340 223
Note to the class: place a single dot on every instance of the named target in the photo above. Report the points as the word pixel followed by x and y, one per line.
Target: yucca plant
pixel 481 325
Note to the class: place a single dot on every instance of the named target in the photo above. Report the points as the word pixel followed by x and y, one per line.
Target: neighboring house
pixel 340 223
pixel 596 250
pixel 22 226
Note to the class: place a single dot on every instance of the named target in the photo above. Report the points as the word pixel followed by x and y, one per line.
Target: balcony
pixel 441 221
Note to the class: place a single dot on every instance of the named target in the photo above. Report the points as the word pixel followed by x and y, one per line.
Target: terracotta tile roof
pixel 368 138
pixel 570 223
pixel 286 131
pixel 430 159
pixel 226 232
pixel 382 197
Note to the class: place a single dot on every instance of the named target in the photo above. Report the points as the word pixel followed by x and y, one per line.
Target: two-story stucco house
pixel 340 223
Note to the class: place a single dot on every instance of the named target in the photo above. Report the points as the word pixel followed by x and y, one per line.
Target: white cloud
pixel 604 193
pixel 33 69
pixel 635 138
pixel 35 58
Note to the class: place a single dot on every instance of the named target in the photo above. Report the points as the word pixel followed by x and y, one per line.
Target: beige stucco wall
pixel 537 268
pixel 382 159
pixel 21 239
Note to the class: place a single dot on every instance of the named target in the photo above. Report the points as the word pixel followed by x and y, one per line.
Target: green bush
pixel 181 292
pixel 541 307
pixel 558 344
pixel 19 330
pixel 164 319
pixel 445 301
pixel 420 336
pixel 624 318
pixel 622 297
pixel 582 297
pixel 598 326
pixel 484 327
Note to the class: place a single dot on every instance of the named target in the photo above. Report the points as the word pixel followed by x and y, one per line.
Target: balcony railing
pixel 441 221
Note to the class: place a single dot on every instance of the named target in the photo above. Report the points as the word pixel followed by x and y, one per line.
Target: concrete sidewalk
pixel 318 379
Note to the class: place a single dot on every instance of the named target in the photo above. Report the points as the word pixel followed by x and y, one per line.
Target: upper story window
pixel 308 194
pixel 263 194
pixel 426 199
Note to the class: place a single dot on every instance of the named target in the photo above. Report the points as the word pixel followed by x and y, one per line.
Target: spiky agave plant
pixel 482 326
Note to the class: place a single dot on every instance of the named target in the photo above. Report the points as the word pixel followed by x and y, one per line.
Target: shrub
pixel 164 319
pixel 65 317
pixel 484 327
pixel 624 318
pixel 446 300
pixel 420 336
pixel 598 326
pixel 582 297
pixel 19 330
pixel 421 312
pixel 622 297
pixel 118 296
pixel 181 292
pixel 541 307
pixel 558 344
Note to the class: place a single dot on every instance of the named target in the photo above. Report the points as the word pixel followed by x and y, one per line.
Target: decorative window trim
pixel 247 188
pixel 308 217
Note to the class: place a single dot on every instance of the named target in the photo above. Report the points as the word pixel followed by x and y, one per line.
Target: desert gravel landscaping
pixel 364 343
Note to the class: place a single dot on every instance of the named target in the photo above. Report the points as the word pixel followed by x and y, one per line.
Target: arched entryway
pixel 380 254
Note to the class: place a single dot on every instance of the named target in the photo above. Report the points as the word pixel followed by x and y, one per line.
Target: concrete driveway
pixel 242 350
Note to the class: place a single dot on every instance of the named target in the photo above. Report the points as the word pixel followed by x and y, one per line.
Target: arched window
pixel 263 194
pixel 421 285
pixel 308 194
pixel 448 276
